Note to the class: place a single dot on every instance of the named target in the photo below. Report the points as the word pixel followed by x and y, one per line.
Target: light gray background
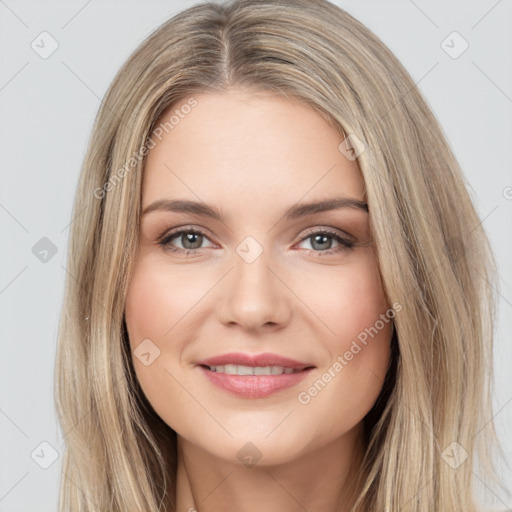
pixel 47 107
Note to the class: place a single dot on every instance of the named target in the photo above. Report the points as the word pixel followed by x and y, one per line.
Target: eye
pixel 191 240
pixel 321 242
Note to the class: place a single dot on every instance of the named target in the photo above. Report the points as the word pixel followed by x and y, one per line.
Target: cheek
pixel 157 300
pixel 160 306
pixel 142 304
pixel 347 301
pixel 154 306
pixel 357 330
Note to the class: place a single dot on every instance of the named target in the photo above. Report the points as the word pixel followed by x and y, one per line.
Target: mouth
pixel 242 370
pixel 253 376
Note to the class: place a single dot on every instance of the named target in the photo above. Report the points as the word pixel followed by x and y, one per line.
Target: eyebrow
pixel 294 212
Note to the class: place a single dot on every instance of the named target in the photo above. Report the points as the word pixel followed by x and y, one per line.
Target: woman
pixel 280 285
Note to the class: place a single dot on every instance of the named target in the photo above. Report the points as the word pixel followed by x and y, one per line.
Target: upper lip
pixel 265 359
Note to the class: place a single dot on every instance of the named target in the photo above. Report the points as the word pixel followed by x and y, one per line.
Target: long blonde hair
pixel 433 256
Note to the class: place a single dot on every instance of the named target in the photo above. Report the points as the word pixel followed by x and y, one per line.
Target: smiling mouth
pixel 247 381
pixel 242 370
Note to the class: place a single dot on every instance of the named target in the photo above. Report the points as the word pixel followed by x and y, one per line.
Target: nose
pixel 254 295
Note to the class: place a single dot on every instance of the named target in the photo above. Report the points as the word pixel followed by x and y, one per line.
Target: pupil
pixel 322 239
pixel 188 237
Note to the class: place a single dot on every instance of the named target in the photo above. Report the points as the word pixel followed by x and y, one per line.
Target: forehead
pixel 242 149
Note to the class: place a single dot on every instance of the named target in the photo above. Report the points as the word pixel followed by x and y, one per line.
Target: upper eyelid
pixel 332 231
pixel 186 228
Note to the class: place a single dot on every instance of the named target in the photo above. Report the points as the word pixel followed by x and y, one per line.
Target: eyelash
pixel 165 241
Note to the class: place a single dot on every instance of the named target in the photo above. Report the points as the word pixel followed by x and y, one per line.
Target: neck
pixel 325 478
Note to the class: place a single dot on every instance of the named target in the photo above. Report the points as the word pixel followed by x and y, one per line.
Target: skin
pixel 252 155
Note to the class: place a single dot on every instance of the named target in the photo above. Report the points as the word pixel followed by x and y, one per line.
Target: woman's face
pixel 257 281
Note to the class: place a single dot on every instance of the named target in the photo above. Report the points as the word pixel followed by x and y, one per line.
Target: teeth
pixel 276 370
pixel 230 369
pixel 238 369
pixel 243 370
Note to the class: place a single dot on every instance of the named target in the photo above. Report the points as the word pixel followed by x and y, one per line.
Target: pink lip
pixel 254 386
pixel 265 359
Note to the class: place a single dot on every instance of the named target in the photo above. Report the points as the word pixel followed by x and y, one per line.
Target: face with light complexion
pixel 312 289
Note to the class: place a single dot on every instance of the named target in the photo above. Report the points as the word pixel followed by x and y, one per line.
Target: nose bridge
pixel 254 296
pixel 252 276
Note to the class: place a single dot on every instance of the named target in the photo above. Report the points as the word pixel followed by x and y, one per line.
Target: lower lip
pixel 254 386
